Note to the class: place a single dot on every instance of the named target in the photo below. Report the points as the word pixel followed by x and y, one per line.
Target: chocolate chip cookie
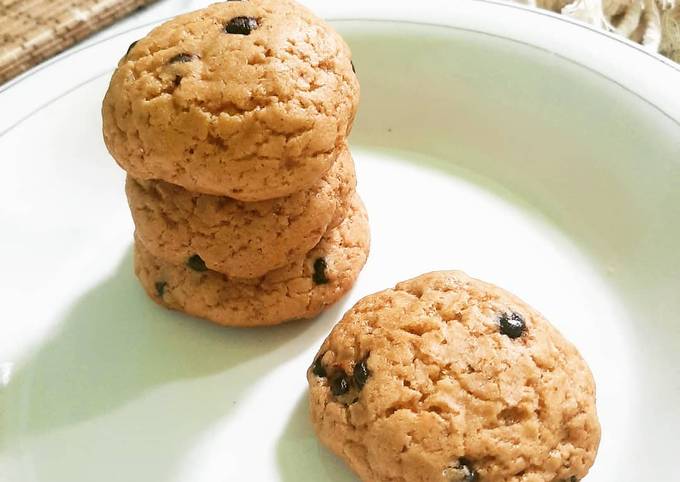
pixel 247 99
pixel 447 378
pixel 239 239
pixel 302 289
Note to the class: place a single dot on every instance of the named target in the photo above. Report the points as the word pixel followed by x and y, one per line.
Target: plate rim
pixel 504 4
pixel 475 10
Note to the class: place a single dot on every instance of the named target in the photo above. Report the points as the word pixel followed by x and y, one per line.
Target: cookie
pixel 239 239
pixel 302 289
pixel 247 99
pixel 447 378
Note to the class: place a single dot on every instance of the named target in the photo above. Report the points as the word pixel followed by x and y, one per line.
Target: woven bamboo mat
pixel 34 30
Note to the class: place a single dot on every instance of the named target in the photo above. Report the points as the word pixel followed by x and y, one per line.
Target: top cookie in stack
pixel 232 124
pixel 247 99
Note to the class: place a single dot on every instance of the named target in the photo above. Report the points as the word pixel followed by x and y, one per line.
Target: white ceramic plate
pixel 529 151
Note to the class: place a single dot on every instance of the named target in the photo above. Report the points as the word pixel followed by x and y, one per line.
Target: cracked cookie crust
pixel 302 289
pixel 237 238
pixel 247 99
pixel 447 378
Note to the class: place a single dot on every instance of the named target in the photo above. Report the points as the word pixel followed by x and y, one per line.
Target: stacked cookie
pixel 232 125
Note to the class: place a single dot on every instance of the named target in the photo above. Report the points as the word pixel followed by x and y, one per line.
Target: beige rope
pixel 655 24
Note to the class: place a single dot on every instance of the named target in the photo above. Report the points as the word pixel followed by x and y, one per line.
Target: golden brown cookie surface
pixel 302 289
pixel 447 378
pixel 248 99
pixel 239 239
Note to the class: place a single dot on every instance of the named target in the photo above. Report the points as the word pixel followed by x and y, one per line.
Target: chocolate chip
pixel 319 275
pixel 177 81
pixel 196 263
pixel 339 384
pixel 462 471
pixel 318 368
pixel 241 25
pixel 512 325
pixel 160 288
pixel 182 58
pixel 467 471
pixel 131 47
pixel 353 69
pixel 361 374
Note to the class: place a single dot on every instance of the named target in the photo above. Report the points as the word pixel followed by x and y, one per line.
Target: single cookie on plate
pixel 236 238
pixel 447 378
pixel 247 99
pixel 302 289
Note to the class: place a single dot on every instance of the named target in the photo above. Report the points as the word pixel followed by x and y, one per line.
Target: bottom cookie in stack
pixel 302 289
